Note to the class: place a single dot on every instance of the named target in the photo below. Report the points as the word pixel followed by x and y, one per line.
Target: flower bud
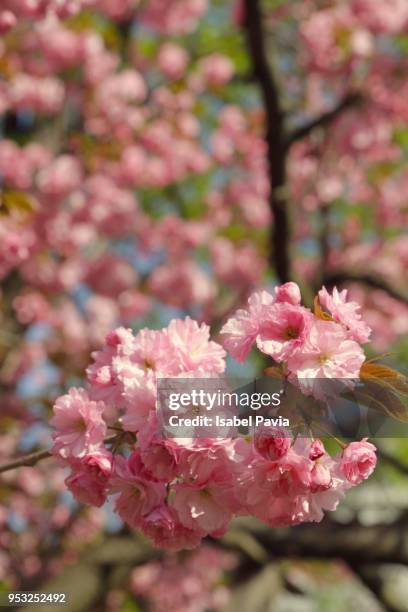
pixel 289 293
pixel 317 450
pixel 272 445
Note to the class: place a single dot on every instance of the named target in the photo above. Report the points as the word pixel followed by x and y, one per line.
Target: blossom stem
pixel 33 458
pixel 330 435
pixel 372 282
pixel 27 460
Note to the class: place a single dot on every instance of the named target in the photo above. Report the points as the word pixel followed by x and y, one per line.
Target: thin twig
pixel 374 282
pixel 34 458
pixel 324 120
pixel 27 460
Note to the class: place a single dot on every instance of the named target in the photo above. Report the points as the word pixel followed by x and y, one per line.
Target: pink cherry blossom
pixel 181 283
pixel 241 330
pixel 390 17
pixel 358 461
pixel 346 313
pixel 283 330
pixel 272 445
pixel 159 455
pixel 172 60
pixel 321 478
pixel 174 17
pixel 208 508
pixel 80 427
pixel 89 477
pixel 166 531
pixel 327 353
pixel 288 293
pixel 214 70
pixel 197 353
pixel 7 21
pixel 152 352
pixel 316 450
pixel 138 494
pixel 288 477
pixel 139 399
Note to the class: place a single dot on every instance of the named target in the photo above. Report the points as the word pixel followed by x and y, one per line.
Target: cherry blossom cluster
pixel 359 161
pixel 134 147
pixel 97 226
pixel 66 215
pixel 194 582
pixel 166 16
pixel 179 490
pixel 309 348
pixel 134 181
pixel 13 10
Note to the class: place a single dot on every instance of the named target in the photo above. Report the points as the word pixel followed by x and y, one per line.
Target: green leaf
pixel 401 138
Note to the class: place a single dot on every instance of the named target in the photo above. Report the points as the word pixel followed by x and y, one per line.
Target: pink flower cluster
pixel 166 16
pixel 77 202
pixel 174 16
pixel 340 42
pixel 177 491
pixel 12 10
pixel 309 347
pixel 149 188
pixel 192 583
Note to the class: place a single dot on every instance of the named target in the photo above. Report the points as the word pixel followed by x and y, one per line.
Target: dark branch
pixel 34 458
pixel 354 543
pixel 373 282
pixel 324 120
pixel 27 460
pixel 275 138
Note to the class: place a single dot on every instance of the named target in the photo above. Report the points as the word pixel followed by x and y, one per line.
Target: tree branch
pixel 374 282
pixel 353 543
pixel 275 139
pixel 34 458
pixel 27 460
pixel 325 119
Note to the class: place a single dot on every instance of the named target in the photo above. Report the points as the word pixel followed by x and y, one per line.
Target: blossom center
pixel 291 333
pixel 80 425
pixel 148 364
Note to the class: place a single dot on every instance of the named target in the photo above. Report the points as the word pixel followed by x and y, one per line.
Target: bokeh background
pixel 163 158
